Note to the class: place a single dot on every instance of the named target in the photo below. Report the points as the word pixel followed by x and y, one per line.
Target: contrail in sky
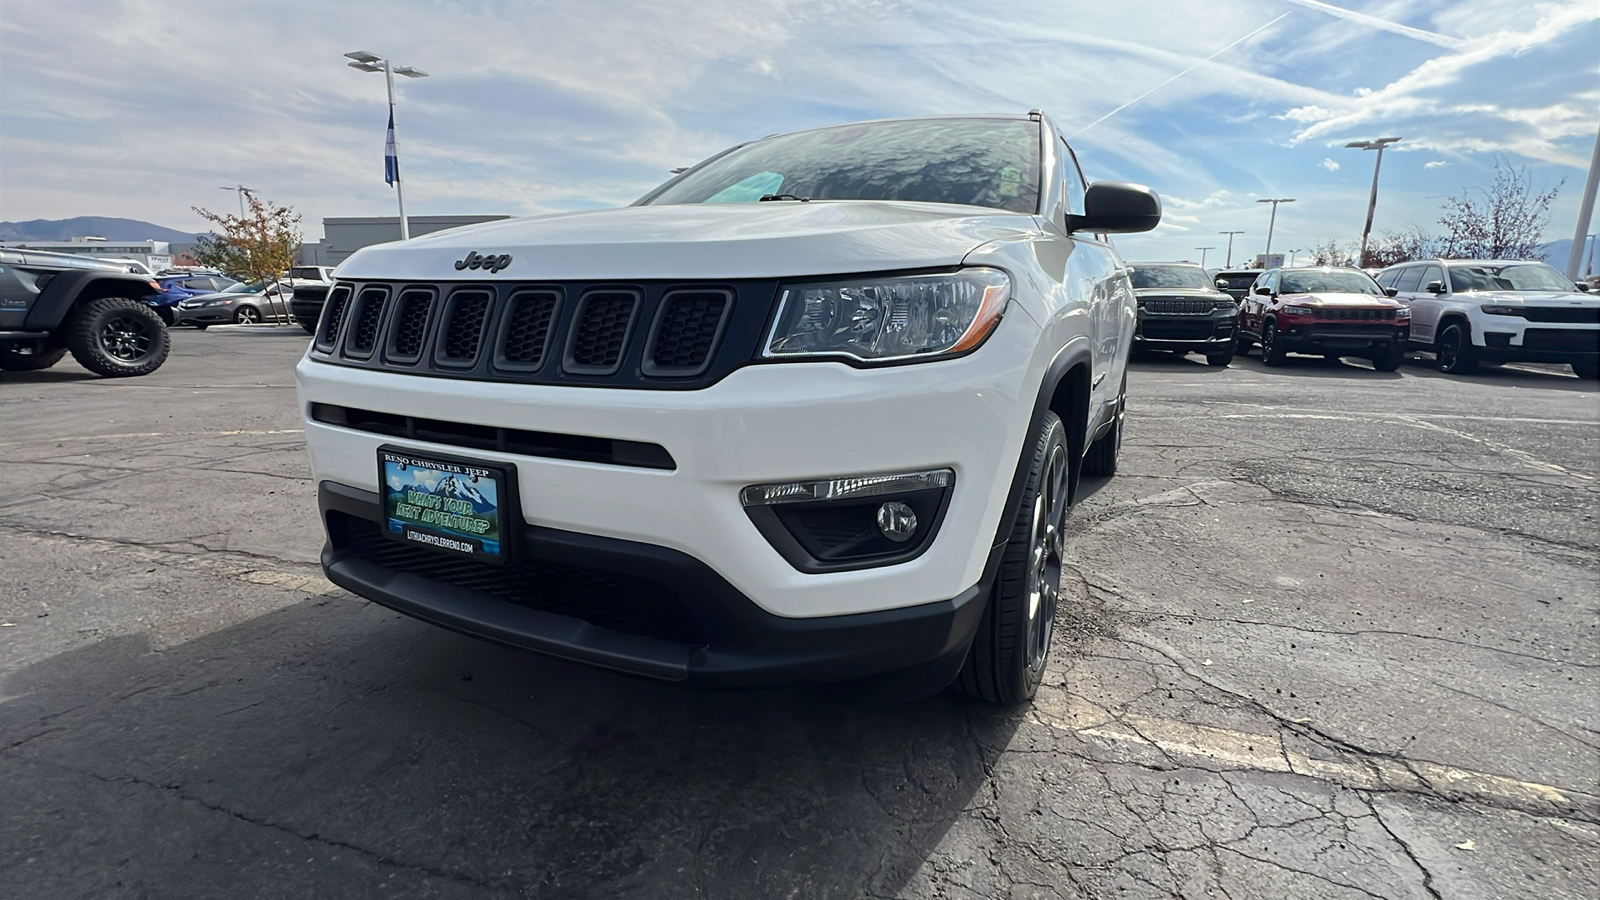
pixel 1353 16
pixel 1177 76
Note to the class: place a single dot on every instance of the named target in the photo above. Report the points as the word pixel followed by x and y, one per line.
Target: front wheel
pixel 117 337
pixel 1221 359
pixel 1007 659
pixel 247 315
pixel 1389 359
pixel 1454 350
pixel 1272 352
pixel 29 355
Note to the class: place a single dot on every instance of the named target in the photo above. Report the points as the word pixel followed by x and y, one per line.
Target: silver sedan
pixel 242 304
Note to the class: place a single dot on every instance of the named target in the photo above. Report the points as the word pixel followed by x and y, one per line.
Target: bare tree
pixel 1504 221
pixel 1331 253
pixel 1402 246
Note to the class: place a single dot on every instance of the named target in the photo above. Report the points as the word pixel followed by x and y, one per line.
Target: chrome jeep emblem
pixel 475 260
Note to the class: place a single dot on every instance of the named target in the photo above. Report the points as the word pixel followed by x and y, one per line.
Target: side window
pixel 198 284
pixel 1430 274
pixel 1409 279
pixel 1074 178
pixel 1387 279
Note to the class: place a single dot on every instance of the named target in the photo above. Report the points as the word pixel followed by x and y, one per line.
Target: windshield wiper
pixel 766 197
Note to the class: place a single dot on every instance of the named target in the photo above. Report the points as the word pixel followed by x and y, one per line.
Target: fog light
pixel 897 521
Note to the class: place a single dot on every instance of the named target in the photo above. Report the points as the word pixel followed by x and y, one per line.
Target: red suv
pixel 1325 311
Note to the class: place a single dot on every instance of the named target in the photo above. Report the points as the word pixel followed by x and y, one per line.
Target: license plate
pixel 455 506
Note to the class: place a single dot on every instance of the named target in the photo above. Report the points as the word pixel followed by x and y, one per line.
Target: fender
pixel 1074 412
pixel 50 309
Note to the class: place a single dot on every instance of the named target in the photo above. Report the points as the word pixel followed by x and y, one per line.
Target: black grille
pixel 1355 314
pixel 617 603
pixel 1175 329
pixel 686 332
pixel 1576 315
pixel 647 335
pixel 600 332
pixel 1178 306
pixel 463 327
pixel 1561 340
pixel 529 325
pixel 369 312
pixel 410 326
pixel 332 317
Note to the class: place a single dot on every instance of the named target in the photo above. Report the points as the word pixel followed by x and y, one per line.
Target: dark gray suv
pixel 55 303
pixel 1179 310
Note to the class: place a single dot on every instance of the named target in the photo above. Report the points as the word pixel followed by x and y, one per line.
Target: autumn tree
pixel 1331 253
pixel 258 246
pixel 1503 221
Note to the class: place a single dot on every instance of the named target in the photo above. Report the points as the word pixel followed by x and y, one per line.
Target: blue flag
pixel 391 162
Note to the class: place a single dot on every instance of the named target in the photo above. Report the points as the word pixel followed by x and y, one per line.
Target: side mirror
pixel 1582 286
pixel 1435 287
pixel 1392 292
pixel 1262 290
pixel 1115 207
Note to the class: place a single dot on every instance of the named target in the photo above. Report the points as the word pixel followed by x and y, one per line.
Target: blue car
pixel 177 288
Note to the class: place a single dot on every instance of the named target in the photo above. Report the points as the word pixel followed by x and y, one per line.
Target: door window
pixel 1430 274
pixel 1387 279
pixel 1409 279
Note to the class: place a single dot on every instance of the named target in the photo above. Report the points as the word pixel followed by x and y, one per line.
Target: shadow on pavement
pixel 1319 367
pixel 325 747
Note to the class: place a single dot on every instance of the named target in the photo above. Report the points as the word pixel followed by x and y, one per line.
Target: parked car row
pixel 1466 312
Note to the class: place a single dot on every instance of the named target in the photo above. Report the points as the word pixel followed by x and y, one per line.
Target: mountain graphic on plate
pixel 461 489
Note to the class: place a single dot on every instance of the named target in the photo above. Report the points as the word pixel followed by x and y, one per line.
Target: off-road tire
pixel 117 337
pixel 1390 359
pixel 1221 359
pixel 1272 352
pixel 29 356
pixel 1007 659
pixel 1454 351
pixel 1102 456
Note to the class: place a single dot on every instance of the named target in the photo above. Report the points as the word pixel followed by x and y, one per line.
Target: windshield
pixel 1170 277
pixel 253 287
pixel 1516 277
pixel 1317 281
pixel 978 162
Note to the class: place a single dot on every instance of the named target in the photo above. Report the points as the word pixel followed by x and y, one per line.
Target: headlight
pixel 1502 310
pixel 1403 312
pixel 1298 310
pixel 887 319
pixel 1224 304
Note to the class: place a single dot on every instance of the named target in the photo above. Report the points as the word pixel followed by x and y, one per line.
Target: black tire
pixel 201 326
pixel 1221 359
pixel 1390 359
pixel 1272 352
pixel 117 337
pixel 29 356
pixel 247 315
pixel 1588 371
pixel 1454 350
pixel 1244 346
pixel 1007 659
pixel 1103 454
pixel 165 312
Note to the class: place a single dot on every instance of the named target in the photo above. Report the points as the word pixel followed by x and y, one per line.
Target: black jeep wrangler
pixel 52 303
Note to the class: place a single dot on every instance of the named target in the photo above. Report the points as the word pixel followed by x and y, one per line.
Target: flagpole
pixel 399 189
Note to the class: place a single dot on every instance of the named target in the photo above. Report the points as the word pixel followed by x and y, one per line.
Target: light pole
pixel 242 191
pixel 1591 186
pixel 370 62
pixel 1274 220
pixel 1292 254
pixel 1588 267
pixel 1203 255
pixel 1372 201
pixel 1230 234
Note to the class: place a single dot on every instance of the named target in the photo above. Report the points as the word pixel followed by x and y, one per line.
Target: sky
pixel 143 109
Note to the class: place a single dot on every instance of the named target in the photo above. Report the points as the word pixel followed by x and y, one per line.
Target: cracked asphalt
pixel 1331 633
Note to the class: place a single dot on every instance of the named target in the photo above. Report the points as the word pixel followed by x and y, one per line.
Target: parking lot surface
pixel 1332 633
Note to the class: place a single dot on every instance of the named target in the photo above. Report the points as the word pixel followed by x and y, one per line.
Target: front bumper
pixel 203 315
pixel 1199 333
pixel 1319 337
pixel 1541 343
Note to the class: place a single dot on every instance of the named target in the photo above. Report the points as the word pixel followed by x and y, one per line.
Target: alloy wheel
pixel 1046 557
pixel 126 338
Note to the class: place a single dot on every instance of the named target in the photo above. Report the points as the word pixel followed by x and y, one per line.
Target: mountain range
pixel 98 226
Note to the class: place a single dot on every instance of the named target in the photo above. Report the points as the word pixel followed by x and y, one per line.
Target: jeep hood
pixel 1337 300
pixel 1531 298
pixel 701 241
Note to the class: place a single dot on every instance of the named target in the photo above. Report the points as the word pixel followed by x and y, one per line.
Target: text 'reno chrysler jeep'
pixel 814 410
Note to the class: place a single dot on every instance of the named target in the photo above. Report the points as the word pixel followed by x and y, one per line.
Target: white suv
pixel 814 410
pixel 1469 311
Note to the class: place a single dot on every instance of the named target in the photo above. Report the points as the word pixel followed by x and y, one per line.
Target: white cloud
pixel 1435 164
pixel 1383 24
pixel 1329 164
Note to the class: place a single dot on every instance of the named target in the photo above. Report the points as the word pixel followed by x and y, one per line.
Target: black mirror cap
pixel 1435 287
pixel 1582 286
pixel 1116 207
pixel 1261 289
pixel 1392 292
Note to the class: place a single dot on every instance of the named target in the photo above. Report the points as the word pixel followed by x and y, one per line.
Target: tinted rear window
pixel 1170 277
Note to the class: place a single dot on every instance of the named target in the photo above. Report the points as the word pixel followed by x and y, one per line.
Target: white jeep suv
pixel 814 410
pixel 1469 311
